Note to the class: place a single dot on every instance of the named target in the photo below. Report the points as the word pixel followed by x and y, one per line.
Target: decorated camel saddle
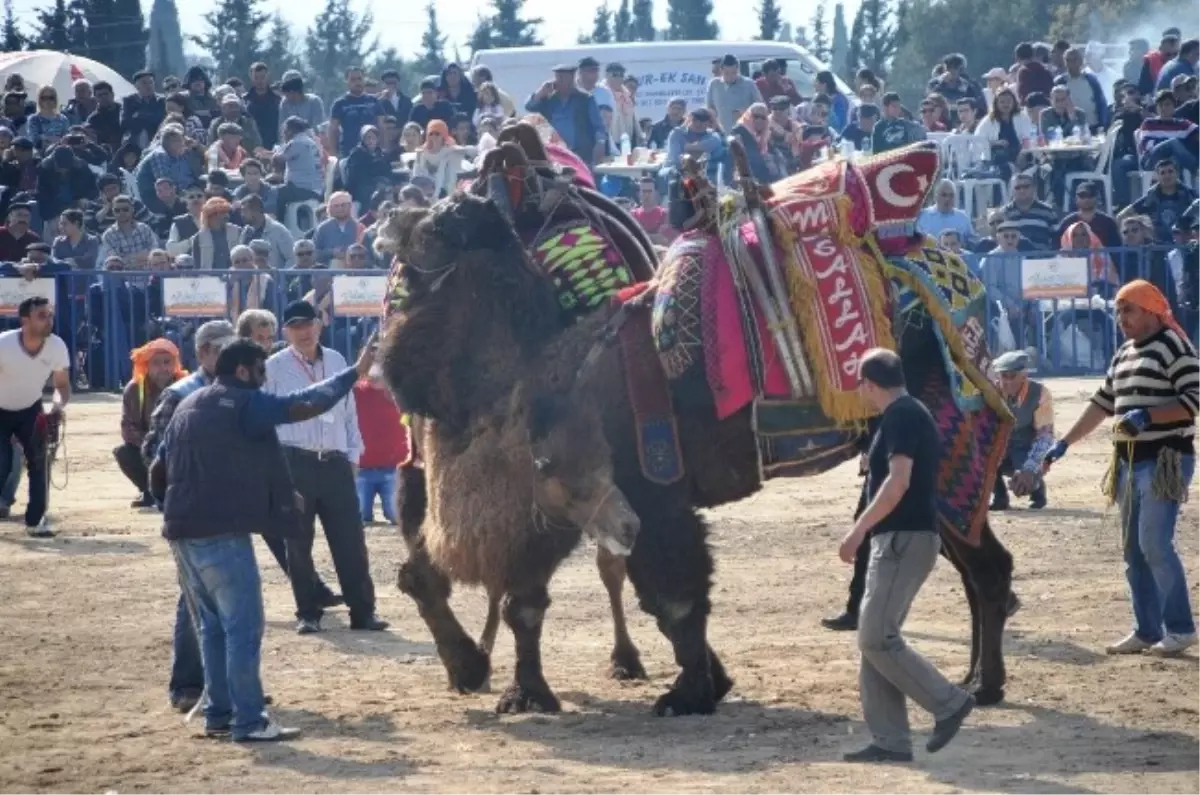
pixel 770 298
pixel 584 241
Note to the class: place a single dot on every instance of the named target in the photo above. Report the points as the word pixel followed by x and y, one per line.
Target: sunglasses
pixel 433 134
pixel 305 253
pixel 122 209
pixel 760 116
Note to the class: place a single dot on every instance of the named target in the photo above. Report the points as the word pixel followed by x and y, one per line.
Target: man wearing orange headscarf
pixel 155 367
pixel 1153 388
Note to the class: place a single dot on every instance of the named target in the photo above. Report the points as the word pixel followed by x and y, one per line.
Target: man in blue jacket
pixel 222 476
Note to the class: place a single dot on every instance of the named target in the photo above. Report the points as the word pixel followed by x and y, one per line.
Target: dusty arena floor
pixel 85 625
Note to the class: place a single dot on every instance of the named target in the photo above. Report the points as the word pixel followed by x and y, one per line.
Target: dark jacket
pixel 466 101
pixel 221 480
pixel 58 190
pixel 422 115
pixel 107 124
pixel 365 169
pixel 264 109
pixel 142 116
pixel 660 131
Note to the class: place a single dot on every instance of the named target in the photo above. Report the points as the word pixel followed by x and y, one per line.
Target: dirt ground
pixel 85 627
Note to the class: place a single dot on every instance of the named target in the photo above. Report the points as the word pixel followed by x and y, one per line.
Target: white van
pixel 664 69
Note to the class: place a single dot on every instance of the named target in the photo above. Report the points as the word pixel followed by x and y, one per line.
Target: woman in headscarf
pixel 457 90
pixel 156 366
pixel 248 289
pixel 1079 237
pixel 754 128
pixel 439 158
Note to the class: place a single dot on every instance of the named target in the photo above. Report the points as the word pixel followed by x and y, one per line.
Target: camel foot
pixel 722 684
pixel 987 696
pixel 518 699
pixel 688 696
pixel 468 667
pixel 626 665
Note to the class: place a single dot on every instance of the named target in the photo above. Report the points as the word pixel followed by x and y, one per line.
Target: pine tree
pixel 52 33
pixel 801 37
pixel 879 37
pixel 769 20
pixel 819 34
pixel 854 53
pixel 164 49
pixel 622 23
pixel 77 27
pixel 389 59
pixel 643 21
pixel 101 43
pixel 691 20
pixel 432 59
pixel 839 46
pixel 127 37
pixel 602 28
pixel 233 37
pixel 481 36
pixel 337 40
pixel 282 49
pixel 509 28
pixel 13 39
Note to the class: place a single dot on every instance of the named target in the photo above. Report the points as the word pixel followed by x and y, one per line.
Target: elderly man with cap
pixel 233 112
pixel 1153 390
pixel 187 670
pixel 573 113
pixel 322 454
pixel 1032 436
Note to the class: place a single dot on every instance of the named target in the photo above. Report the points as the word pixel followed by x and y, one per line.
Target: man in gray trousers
pixel 901 520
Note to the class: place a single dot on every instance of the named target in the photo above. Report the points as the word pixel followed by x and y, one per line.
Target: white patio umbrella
pixel 60 70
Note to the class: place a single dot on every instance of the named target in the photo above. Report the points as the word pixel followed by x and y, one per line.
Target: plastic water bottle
pixel 626 147
pixel 1056 136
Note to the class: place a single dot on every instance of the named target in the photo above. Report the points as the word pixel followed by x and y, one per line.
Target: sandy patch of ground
pixel 85 626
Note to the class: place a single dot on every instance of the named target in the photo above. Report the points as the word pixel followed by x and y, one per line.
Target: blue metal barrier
pixel 102 316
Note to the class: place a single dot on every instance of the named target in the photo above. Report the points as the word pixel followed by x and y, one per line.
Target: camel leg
pixel 626 662
pixel 524 612
pixel 466 665
pixel 990 568
pixel 671 569
pixel 487 640
pixel 972 677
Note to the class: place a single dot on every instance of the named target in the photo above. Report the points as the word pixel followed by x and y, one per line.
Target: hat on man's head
pixel 1011 362
pixel 1008 226
pixel 299 312
pixel 587 62
pixel 565 67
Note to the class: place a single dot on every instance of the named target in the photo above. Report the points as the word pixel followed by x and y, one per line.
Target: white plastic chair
pixel 1102 174
pixel 292 220
pixel 331 165
pixel 962 153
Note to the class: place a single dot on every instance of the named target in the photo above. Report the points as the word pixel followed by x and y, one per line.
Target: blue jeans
pixel 8 489
pixel 187 666
pixel 370 482
pixel 1157 582
pixel 1173 148
pixel 1122 167
pixel 221 582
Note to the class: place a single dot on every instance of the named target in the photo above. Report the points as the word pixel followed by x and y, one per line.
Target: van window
pixel 798 71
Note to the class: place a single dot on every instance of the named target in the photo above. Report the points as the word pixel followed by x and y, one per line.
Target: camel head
pixel 470 305
pixel 572 472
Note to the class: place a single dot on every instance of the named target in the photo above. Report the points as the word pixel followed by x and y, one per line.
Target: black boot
pixel 1037 500
pixel 999 495
pixel 846 622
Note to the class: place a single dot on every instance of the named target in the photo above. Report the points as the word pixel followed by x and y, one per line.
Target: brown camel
pixel 478 315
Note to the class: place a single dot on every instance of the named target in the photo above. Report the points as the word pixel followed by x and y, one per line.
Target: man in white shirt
pixel 322 453
pixel 28 357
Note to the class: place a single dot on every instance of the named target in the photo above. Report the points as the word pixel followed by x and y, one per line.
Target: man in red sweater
pixel 1032 74
pixel 385 446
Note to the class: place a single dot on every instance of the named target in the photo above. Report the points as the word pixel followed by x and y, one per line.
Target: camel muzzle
pixel 614 525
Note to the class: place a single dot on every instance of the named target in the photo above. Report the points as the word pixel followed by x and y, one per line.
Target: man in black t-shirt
pixel 901 520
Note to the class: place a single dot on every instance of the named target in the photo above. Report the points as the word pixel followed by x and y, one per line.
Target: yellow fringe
pixel 932 302
pixel 844 408
pixel 1167 483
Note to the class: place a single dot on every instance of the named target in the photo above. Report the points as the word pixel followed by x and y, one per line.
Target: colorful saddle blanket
pixel 586 267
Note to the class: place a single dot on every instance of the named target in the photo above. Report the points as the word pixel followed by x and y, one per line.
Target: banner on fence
pixel 358 296
pixel 1056 277
pixel 14 291
pixel 194 296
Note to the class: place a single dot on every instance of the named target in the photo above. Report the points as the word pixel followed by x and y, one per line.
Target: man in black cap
pixel 588 79
pixel 731 94
pixel 322 453
pixel 574 114
pixel 1032 435
pixel 143 111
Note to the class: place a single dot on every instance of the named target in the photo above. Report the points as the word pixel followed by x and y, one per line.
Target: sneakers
pixel 846 622
pixel 945 729
pixel 1173 645
pixel 873 753
pixel 308 626
pixel 1131 644
pixel 40 530
pixel 269 732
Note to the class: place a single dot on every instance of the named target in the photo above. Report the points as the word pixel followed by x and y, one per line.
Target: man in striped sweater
pixel 1153 388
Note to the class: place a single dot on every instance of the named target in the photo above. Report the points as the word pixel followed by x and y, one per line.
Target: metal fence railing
pixel 1059 305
